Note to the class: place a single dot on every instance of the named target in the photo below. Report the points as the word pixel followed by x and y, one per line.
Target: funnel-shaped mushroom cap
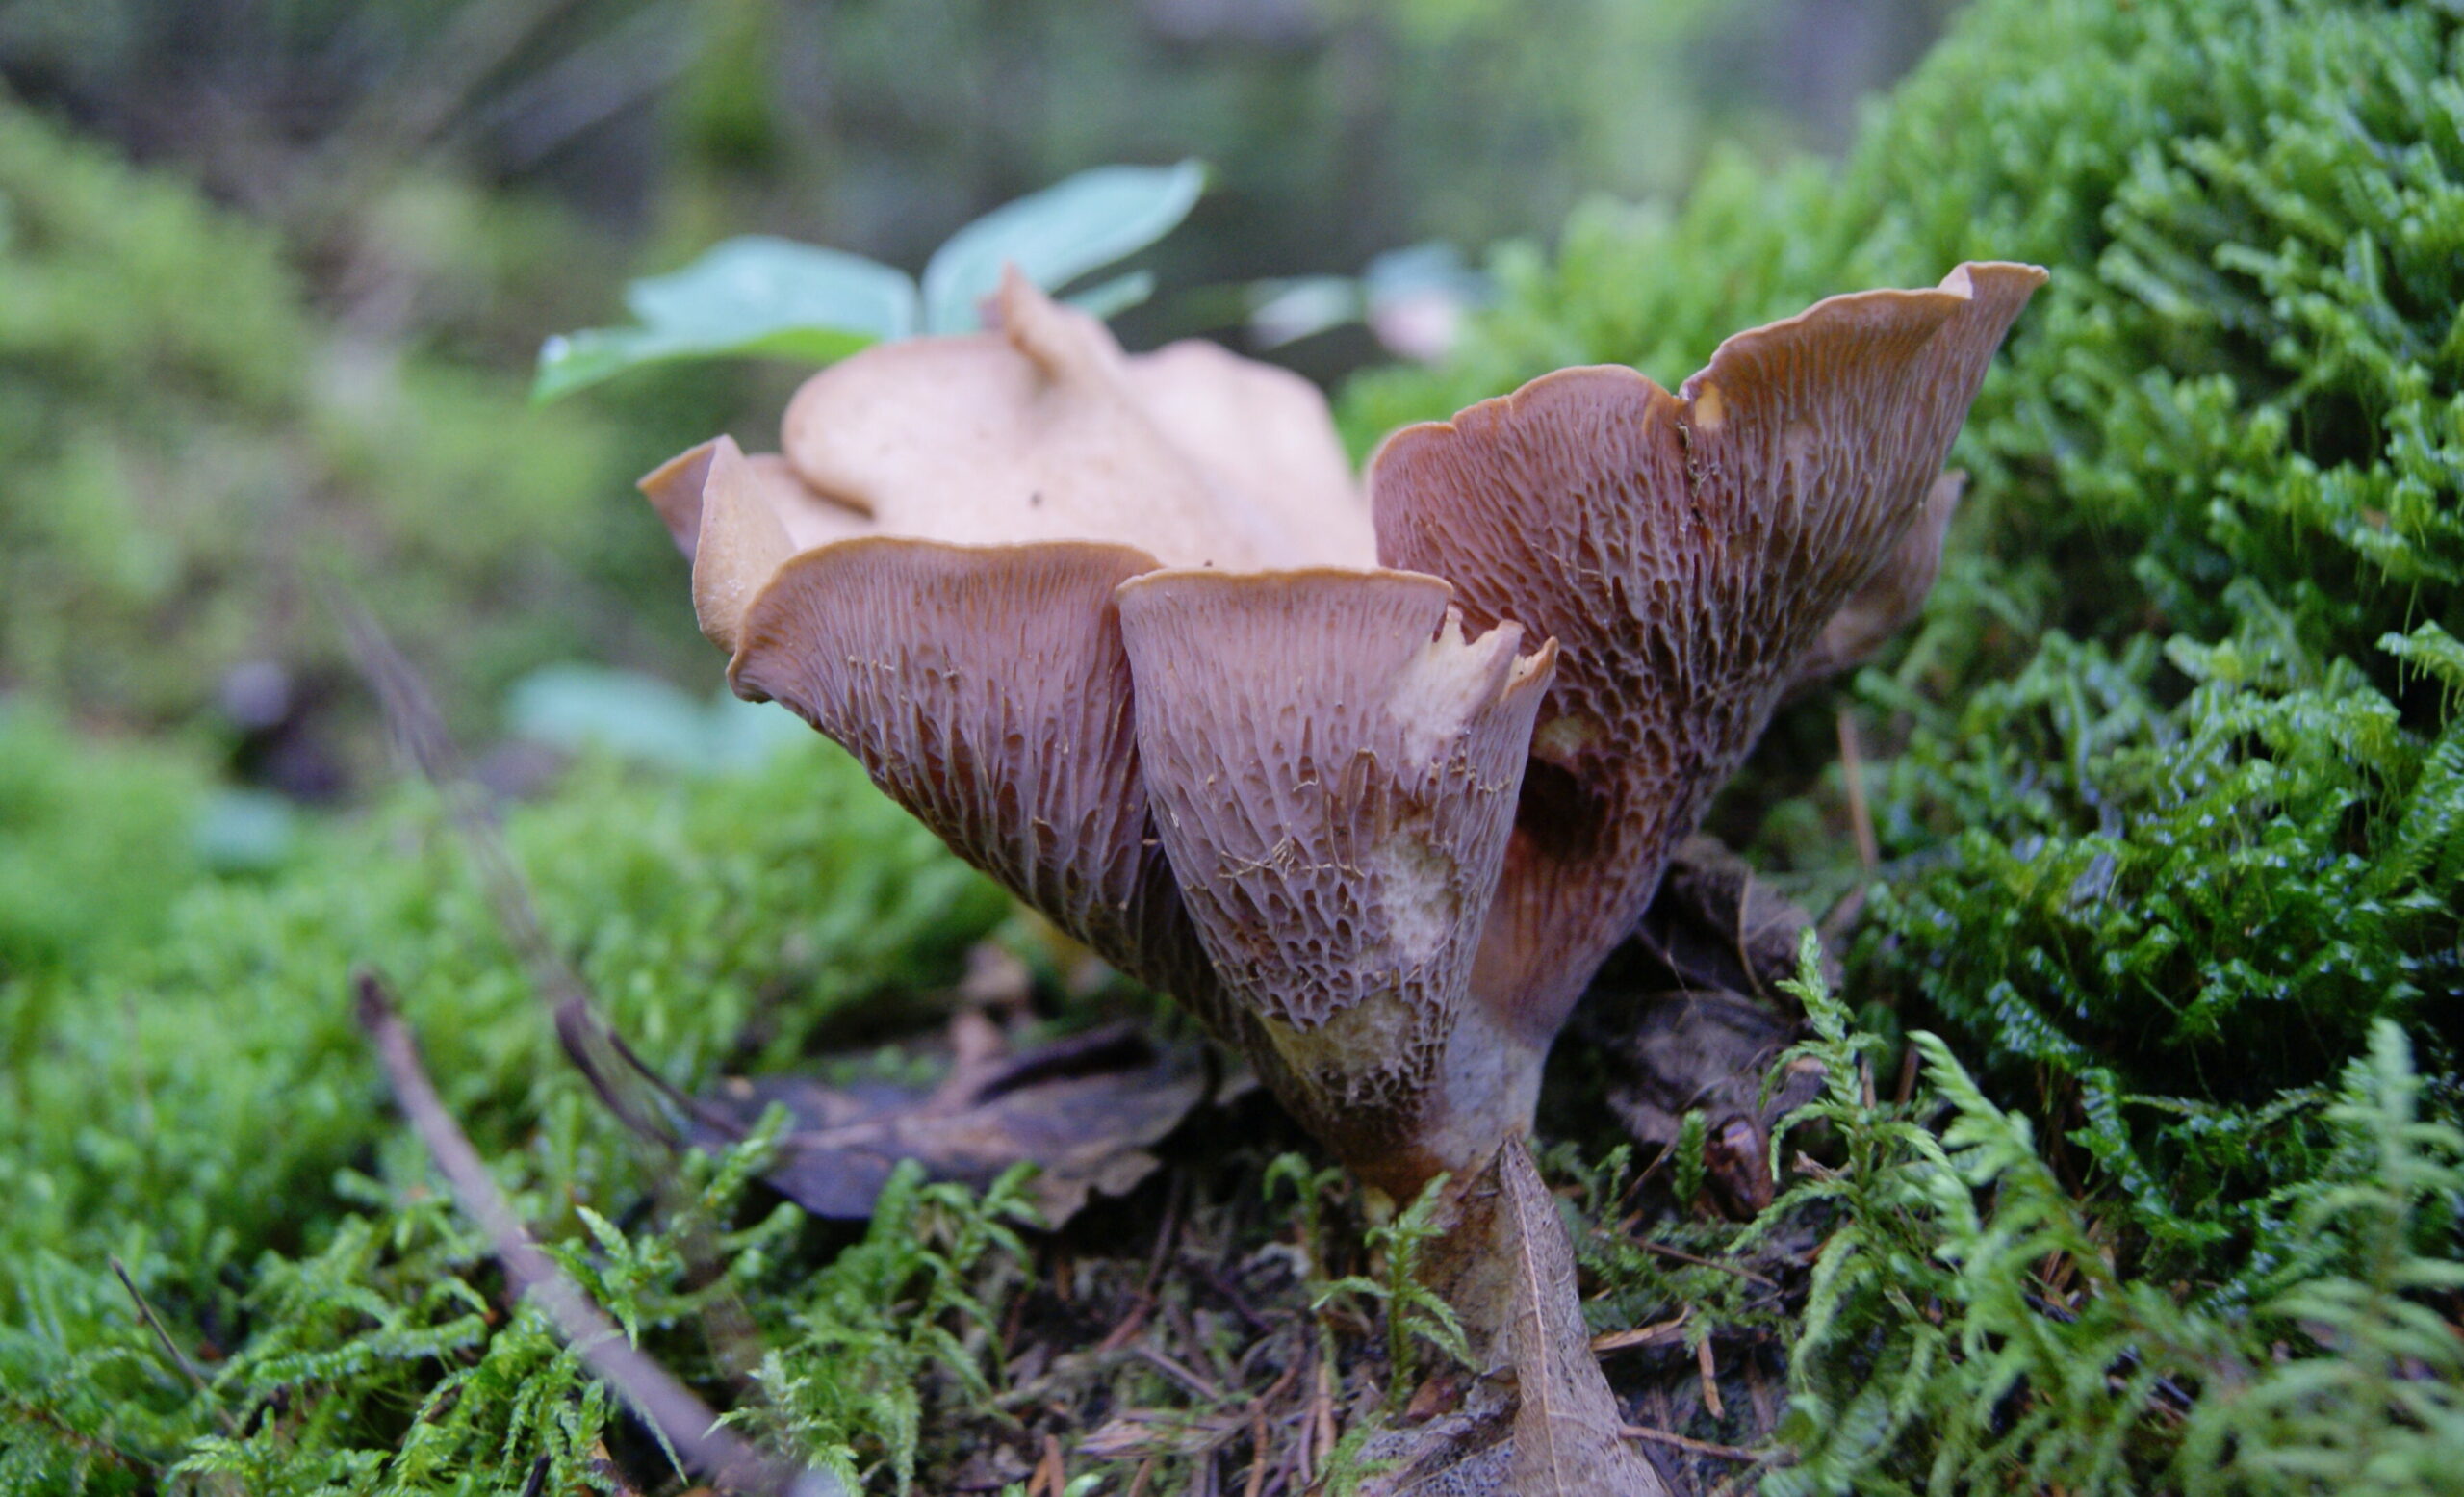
pixel 1046 430
pixel 1687 550
pixel 985 689
pixel 927 578
pixel 1334 769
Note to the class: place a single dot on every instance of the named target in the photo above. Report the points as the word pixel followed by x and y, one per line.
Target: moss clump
pixel 99 841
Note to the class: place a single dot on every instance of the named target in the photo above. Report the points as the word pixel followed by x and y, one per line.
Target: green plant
pixel 199 1106
pixel 871 1332
pixel 1967 1326
pixel 1414 1312
pixel 773 297
pixel 97 840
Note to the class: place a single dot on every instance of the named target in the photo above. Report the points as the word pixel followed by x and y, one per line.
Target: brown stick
pixel 1652 1334
pixel 1711 1371
pixel 632 1090
pixel 718 1456
pixel 1861 817
pixel 170 1348
pixel 1682 1256
pixel 1635 1431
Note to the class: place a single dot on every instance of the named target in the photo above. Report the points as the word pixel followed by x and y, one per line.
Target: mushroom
pixel 1333 769
pixel 1688 553
pixel 1122 631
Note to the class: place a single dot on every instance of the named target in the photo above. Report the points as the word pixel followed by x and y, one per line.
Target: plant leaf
pixel 1110 299
pixel 749 297
pixel 1055 236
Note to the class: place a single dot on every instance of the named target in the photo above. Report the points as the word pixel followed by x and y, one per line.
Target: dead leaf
pixel 1143 1433
pixel 1695 1020
pixel 1715 926
pixel 1544 1423
pixel 1086 1109
pixel 1567 1434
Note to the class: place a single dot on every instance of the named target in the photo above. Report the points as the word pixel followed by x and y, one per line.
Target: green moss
pixel 202 1107
pixel 98 840
pixel 2019 1358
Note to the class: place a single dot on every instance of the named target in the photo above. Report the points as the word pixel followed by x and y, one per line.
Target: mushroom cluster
pixel 1371 782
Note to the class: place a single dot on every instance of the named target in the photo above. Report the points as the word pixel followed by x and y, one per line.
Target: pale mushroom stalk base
pixel 1372 785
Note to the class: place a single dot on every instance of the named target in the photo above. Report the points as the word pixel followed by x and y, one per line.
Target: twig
pixel 1322 1416
pixel 1682 1256
pixel 1144 1303
pixel 691 1430
pixel 170 1348
pixel 1635 1431
pixel 1711 1371
pixel 1861 817
pixel 614 1072
pixel 1641 1335
pixel 1179 1374
pixel 1257 1449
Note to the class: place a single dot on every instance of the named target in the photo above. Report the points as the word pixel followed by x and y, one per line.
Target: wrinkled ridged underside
pixel 985 689
pixel 1334 771
pixel 1688 552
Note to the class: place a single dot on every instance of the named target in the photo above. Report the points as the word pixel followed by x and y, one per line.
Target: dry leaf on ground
pixel 1086 1109
pixel 1696 1020
pixel 1544 1423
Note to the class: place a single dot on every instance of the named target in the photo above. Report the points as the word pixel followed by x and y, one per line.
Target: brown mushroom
pixel 1686 552
pixel 1045 430
pixel 1334 769
pixel 1890 599
pixel 1283 794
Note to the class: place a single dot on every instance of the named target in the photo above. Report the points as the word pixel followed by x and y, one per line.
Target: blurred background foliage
pixel 273 270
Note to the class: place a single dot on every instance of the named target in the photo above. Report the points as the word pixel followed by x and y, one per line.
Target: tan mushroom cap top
pixel 1687 550
pixel 1045 430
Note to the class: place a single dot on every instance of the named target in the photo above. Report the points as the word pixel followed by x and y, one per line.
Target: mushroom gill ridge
pixel 1688 552
pixel 1334 767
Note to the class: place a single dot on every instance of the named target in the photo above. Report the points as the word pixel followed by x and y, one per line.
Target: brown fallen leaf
pixel 1084 1109
pixel 1695 1020
pixel 1143 1432
pixel 1568 1435
pixel 1543 1423
pixel 1715 926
